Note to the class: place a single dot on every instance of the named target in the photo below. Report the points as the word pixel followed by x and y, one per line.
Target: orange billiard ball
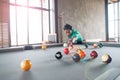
pixel 95 45
pixel 26 65
pixel 82 54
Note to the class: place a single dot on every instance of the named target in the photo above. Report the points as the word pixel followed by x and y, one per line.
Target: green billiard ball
pixel 86 45
pixel 100 45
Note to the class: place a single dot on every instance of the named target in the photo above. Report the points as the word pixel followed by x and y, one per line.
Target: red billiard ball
pixel 93 54
pixel 66 51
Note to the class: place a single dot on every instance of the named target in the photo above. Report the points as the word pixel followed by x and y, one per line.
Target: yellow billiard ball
pixel 44 46
pixel 26 65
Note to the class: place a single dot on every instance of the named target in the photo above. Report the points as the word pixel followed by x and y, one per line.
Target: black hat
pixel 67 26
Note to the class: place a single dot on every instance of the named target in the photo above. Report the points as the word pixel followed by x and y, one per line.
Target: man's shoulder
pixel 74 30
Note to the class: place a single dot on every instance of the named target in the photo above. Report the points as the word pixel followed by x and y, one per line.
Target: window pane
pixel 119 10
pixel 45 4
pixel 51 4
pixel 52 22
pixel 35 30
pixel 111 12
pixel 12 1
pixel 52 17
pixel 13 25
pixel 35 3
pixel 45 25
pixel 22 25
pixel 116 30
pixel 116 10
pixel 21 2
pixel 111 29
pixel 119 31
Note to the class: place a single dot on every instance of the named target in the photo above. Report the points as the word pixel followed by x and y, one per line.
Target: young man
pixel 73 35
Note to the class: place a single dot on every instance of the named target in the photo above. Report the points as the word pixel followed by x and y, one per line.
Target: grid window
pixel 31 21
pixel 113 21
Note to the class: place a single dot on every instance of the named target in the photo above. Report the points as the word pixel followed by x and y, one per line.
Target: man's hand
pixel 74 39
pixel 70 41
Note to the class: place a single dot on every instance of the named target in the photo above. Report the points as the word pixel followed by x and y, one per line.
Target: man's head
pixel 68 29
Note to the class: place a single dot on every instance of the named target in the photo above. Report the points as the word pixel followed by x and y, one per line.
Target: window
pixel 31 21
pixel 113 21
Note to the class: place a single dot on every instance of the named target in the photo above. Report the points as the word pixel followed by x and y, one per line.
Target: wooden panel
pixel 4 22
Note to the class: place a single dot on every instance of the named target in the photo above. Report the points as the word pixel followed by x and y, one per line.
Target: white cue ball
pixel 105 57
pixel 65 45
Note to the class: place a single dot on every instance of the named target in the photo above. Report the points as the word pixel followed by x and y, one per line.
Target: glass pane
pixel 22 25
pixel 12 1
pixel 21 2
pixel 116 10
pixel 35 29
pixel 13 25
pixel 45 25
pixel 116 27
pixel 119 31
pixel 52 22
pixel 45 4
pixel 111 29
pixel 119 10
pixel 110 12
pixel 116 30
pixel 35 3
pixel 52 17
pixel 51 4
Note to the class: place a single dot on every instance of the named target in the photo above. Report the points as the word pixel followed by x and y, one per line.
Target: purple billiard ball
pixel 94 54
pixel 76 57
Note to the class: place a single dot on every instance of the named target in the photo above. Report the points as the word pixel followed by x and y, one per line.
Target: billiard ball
pixel 76 57
pixel 100 45
pixel 44 46
pixel 86 45
pixel 65 45
pixel 66 51
pixel 26 65
pixel 106 58
pixel 95 45
pixel 58 55
pixel 82 54
pixel 93 54
pixel 77 49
